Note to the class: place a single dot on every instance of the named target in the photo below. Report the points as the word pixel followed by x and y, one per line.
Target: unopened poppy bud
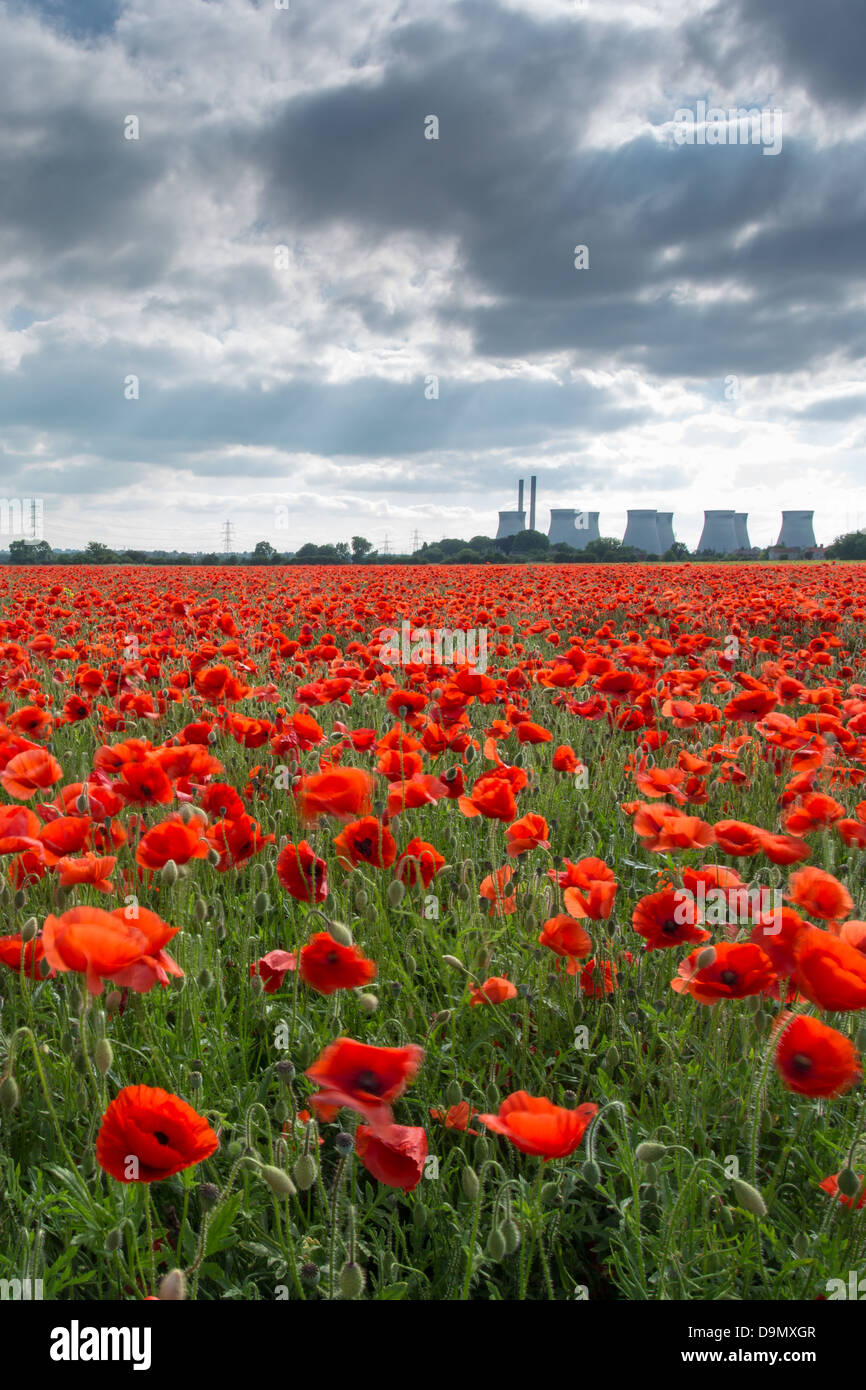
pixel 550 1192
pixel 257 984
pixel 235 1150
pixel 205 980
pixel 209 1193
pixel 199 910
pixel 29 930
pixel 212 737
pixel 511 1236
pixel 453 1093
pixel 411 964
pixel 493 1096
pixel 801 1245
pixel 194 1080
pixel 706 957
pixel 749 1197
pixel 482 1148
pixel 82 803
pixel 496 1245
pixel 727 1216
pixel 362 900
pixel 455 964
pixel 103 1056
pixel 9 1093
pixel 173 1286
pixel 19 900
pixel 304 1172
pixel 442 1016
pixel 285 1070
pixel 849 1182
pixel 344 1143
pixel 213 856
pixel 368 1003
pixel 351 1280
pixel 261 904
pixel 168 873
pixel 860 1039
pixel 340 933
pixel 187 811
pixel 278 1181
pixel 113 1001
pixel 396 892
pixel 650 1151
pixel 470 1184
pixel 753 1004
pixel 611 1059
pixel 114 1240
pixel 591 1173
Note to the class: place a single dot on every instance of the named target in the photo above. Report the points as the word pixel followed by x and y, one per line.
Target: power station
pixel 725 531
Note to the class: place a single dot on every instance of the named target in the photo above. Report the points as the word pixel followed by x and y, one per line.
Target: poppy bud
pixel 199 910
pixel 611 1060
pixel 304 1172
pixel 591 1173
pixel 753 1004
pixel 550 1191
pixel 860 1040
pixel 261 904
pixel 352 1280
pixel 285 1070
pixel 112 1002
pixel 442 1016
pixel 532 922
pixel 82 803
pixel 194 1080
pixel 849 1182
pixel 340 932
pixel 103 1056
pixel 173 1285
pixel 496 1245
pixel 396 892
pixel 212 737
pixel 368 1003
pixel 209 1192
pixel 470 1184
pixel 453 1093
pixel 213 856
pixel 455 964
pixel 492 1094
pixel 257 984
pixel 114 1240
pixel 482 1148
pixel 511 1235
pixel 19 900
pixel 362 900
pixel 411 964
pixel 761 1024
pixel 168 873
pixel 29 930
pixel 727 1216
pixel 706 957
pixel 801 1245
pixel 344 1144
pixel 9 1093
pixel 205 980
pixel 749 1197
pixel 650 1151
pixel 235 1150
pixel 278 1181
pixel 419 1216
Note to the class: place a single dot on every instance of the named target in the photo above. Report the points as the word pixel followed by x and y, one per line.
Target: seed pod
pixel 470 1184
pixel 103 1056
pixel 310 1274
pixel 278 1181
pixel 173 1286
pixel 194 1080
pixel 748 1197
pixel 650 1151
pixel 9 1093
pixel 304 1172
pixel 352 1280
pixel 496 1245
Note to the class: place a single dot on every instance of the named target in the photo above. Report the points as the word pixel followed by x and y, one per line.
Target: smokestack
pixel 642 531
pixel 665 523
pixel 797 532
pixel 573 528
pixel 532 482
pixel 719 533
pixel 741 530
pixel 520 496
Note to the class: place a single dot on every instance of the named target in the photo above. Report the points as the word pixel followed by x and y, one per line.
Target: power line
pixel 228 539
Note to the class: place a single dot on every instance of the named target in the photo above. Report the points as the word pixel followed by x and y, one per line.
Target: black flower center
pixel 368 1081
pixel 728 977
pixel 160 1136
pixel 801 1062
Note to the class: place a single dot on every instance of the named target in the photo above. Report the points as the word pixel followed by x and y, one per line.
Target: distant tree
pixel 481 543
pixel 264 553
pixel 451 546
pixel 30 553
pixel 431 554
pixel 677 551
pixel 98 554
pixel 342 550
pixel 530 543
pixel 360 547
pixel 211 558
pixel 851 546
pixel 466 556
pixel 134 557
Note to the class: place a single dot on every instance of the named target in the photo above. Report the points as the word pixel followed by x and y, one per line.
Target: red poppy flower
pixel 366 841
pixel 530 832
pixel 739 969
pixel 534 1125
pixel 92 941
pixel 362 1078
pixel 456 1117
pixel 829 971
pixel 273 968
pixel 669 918
pixel 302 873
pixel 89 868
pixel 494 991
pixel 327 966
pixel 815 1060
pixel 493 889
pixel 419 860
pixel 819 894
pixel 172 838
pixel 339 791
pixel 831 1187
pixel 20 956
pixel 28 772
pixel 148 1134
pixel 566 937
pixel 394 1155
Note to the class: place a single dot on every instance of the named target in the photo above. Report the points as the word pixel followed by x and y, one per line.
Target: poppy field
pixel 339 968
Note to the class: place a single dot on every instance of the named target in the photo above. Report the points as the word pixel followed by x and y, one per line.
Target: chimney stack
pixel 520 495
pixel 532 483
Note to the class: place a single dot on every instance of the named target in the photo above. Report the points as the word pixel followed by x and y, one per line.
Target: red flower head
pixel 739 969
pixel 534 1125
pixel 419 860
pixel 829 971
pixel 302 873
pixel 494 991
pixel 815 1060
pixel 148 1134
pixel 669 918
pixel 819 894
pixel 394 1155
pixel 530 832
pixel 326 966
pixel 363 1078
pixel 366 841
pixel 566 937
pixel 273 968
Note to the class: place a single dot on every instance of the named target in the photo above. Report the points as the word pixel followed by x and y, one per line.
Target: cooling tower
pixel 573 528
pixel 797 532
pixel 741 530
pixel 642 531
pixel 719 533
pixel 532 482
pixel 510 523
pixel 665 524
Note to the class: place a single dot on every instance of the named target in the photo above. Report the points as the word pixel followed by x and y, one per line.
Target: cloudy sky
pixel 287 269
